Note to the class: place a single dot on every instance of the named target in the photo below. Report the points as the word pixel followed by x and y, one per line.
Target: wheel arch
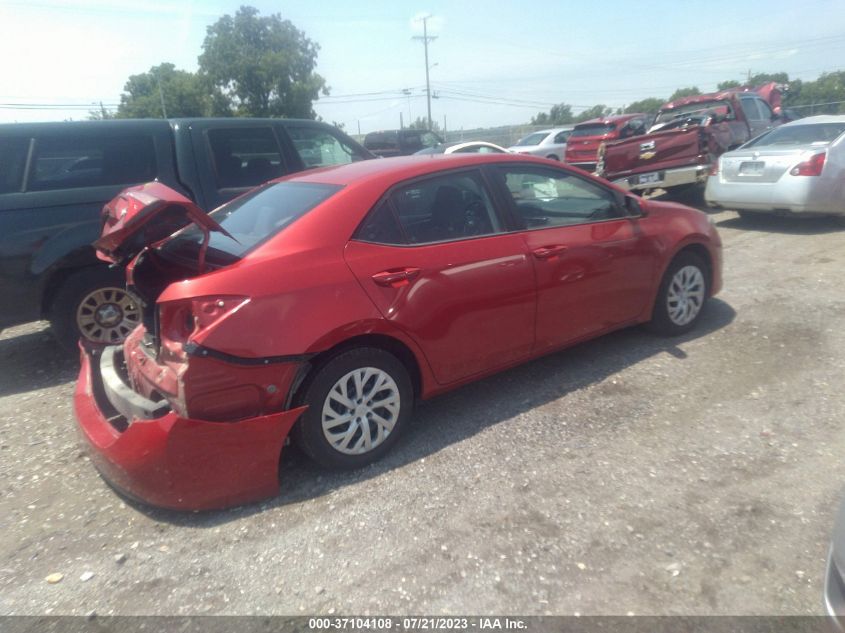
pixel 384 342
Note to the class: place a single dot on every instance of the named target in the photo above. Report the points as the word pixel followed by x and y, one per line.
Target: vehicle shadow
pixel 786 225
pixel 460 414
pixel 33 360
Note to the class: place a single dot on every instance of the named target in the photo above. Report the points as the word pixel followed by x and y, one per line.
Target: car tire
pixel 93 304
pixel 681 296
pixel 553 157
pixel 339 422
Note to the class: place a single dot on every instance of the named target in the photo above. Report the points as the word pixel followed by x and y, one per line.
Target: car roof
pixel 819 118
pixel 403 168
pixel 612 118
pixel 146 124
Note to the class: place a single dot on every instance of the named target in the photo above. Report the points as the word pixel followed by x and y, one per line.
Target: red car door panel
pixel 599 276
pixel 468 304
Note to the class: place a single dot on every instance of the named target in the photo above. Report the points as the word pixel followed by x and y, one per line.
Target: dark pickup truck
pixel 687 136
pixel 56 177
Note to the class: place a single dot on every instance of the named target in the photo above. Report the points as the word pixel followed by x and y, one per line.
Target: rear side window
pixel 381 226
pixel 13 153
pixel 451 207
pixel 318 147
pixel 562 137
pixel 70 162
pixel 244 156
pixel 749 108
pixel 252 219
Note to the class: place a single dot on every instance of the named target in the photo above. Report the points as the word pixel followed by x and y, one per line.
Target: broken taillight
pixel 179 320
pixel 811 167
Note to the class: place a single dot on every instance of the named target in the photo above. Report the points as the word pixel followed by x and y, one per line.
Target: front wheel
pixel 681 296
pixel 358 403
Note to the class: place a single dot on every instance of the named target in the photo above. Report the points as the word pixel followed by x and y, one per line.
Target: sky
pixel 493 62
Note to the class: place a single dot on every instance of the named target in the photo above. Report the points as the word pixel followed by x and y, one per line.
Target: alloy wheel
pixel 686 295
pixel 361 410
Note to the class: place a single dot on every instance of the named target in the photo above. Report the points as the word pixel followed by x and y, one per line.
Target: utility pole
pixel 425 40
pixel 161 95
pixel 401 122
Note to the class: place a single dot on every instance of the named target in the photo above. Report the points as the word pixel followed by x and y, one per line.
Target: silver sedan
pixel 549 143
pixel 798 167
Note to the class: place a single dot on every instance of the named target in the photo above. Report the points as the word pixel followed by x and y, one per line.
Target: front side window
pixel 547 198
pixel 71 162
pixel 244 156
pixel 13 153
pixel 318 147
pixel 451 207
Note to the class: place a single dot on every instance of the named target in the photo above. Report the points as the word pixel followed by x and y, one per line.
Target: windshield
pixel 593 129
pixel 251 219
pixel 532 139
pixel 699 109
pixel 813 134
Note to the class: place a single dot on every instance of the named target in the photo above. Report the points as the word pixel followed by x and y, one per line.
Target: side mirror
pixel 634 207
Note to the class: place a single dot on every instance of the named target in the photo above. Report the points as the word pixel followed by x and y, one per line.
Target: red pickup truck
pixel 583 144
pixel 687 136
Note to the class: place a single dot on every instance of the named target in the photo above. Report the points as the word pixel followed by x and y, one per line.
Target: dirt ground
pixel 631 474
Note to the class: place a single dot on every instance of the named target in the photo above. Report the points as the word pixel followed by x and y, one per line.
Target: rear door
pixel 434 257
pixel 594 265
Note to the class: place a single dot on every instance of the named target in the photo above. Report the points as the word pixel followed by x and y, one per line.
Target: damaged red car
pixel 322 304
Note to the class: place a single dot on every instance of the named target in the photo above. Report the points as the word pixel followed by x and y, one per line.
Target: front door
pixel 593 264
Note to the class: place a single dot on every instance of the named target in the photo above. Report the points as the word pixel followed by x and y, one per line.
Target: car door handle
pixel 396 277
pixel 544 252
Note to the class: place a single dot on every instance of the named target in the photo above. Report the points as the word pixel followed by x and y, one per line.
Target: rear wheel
pixel 358 403
pixel 93 304
pixel 681 296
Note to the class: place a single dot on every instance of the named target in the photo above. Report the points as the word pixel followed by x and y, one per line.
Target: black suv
pixel 400 142
pixel 56 177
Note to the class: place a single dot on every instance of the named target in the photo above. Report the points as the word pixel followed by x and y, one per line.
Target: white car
pixel 468 147
pixel 798 167
pixel 549 143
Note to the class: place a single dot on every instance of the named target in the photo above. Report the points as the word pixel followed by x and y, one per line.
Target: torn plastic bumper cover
pixel 149 452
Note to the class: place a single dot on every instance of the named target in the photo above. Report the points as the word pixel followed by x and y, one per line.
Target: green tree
pixel 264 66
pixel 560 114
pixel 421 123
pixel 680 93
pixel 647 106
pixel 593 113
pixel 183 93
pixel 730 83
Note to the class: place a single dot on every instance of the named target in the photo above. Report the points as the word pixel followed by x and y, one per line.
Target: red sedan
pixel 323 304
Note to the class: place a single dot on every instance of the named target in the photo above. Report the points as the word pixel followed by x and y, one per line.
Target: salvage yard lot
pixel 697 475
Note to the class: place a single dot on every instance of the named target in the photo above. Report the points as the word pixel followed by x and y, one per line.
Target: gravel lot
pixel 630 474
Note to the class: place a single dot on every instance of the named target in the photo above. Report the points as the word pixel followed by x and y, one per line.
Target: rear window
pixel 810 134
pixel 252 219
pixel 71 162
pixel 532 139
pixel 381 140
pixel 698 109
pixel 593 129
